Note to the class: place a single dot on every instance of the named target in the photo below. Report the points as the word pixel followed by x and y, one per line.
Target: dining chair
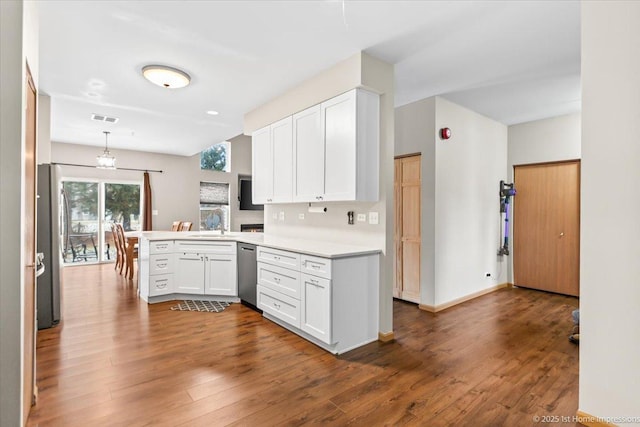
pixel 121 246
pixel 186 226
pixel 176 225
pixel 118 245
pixel 130 252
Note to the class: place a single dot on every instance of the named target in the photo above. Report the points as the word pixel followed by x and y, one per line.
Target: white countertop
pixel 309 247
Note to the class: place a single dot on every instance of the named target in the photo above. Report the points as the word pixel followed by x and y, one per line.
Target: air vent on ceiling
pixel 101 118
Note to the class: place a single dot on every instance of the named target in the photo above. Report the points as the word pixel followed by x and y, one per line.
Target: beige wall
pixel 610 203
pixel 175 191
pixel 360 70
pixel 18 46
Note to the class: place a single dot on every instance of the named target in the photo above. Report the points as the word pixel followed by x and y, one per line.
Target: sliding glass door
pixel 88 209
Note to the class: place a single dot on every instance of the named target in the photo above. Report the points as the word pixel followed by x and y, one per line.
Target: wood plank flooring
pixel 501 359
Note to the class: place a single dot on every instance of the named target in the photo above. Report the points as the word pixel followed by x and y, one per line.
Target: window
pixel 216 157
pixel 214 206
pixel 87 210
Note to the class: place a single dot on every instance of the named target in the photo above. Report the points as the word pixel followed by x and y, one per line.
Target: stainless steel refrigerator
pixel 48 243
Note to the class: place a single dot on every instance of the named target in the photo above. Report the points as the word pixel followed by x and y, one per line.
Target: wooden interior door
pixel 546 224
pixel 407 234
pixel 29 249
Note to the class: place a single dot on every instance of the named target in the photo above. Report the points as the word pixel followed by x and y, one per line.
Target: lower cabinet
pixel 315 317
pixel 189 273
pixel 206 274
pixel 331 302
pixel 220 275
pixel 279 305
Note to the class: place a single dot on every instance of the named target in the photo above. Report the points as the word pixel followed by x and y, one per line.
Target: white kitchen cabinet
pixel 328 152
pixel 262 166
pixel 315 316
pixel 308 147
pixel 331 302
pixel 189 273
pixel 272 154
pixel 351 127
pixel 336 149
pixel 278 305
pixel 206 268
pixel 220 274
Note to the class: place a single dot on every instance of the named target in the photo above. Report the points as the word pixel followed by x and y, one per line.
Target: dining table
pixel 132 238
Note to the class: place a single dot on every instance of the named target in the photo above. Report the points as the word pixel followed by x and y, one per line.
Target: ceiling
pixel 511 61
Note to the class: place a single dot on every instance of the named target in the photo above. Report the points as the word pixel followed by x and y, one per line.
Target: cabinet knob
pixel 562 234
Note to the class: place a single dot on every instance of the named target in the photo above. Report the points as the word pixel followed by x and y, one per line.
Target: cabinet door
pixel 339 124
pixel 221 275
pixel 262 166
pixel 308 147
pixel 316 307
pixel 189 275
pixel 282 160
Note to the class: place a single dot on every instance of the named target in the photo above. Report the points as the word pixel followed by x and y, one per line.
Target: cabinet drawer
pixel 206 246
pixel 161 247
pixel 279 279
pixel 315 265
pixel 279 258
pixel 278 305
pixel 161 284
pixel 161 264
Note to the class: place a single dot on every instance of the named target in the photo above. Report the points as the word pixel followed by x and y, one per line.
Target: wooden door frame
pixel 397 227
pixel 30 390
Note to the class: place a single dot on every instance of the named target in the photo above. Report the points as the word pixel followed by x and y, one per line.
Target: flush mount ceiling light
pixel 212 113
pixel 164 76
pixel 106 160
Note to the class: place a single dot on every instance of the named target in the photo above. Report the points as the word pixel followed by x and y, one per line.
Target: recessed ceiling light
pixel 164 76
pixel 213 113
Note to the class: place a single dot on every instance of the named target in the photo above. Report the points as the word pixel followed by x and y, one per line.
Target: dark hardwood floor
pixel 501 359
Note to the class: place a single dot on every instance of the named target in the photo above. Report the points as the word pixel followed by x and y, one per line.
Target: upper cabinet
pixel 334 153
pixel 272 154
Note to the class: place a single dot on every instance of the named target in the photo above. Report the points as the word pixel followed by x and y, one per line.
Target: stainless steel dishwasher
pixel 247 275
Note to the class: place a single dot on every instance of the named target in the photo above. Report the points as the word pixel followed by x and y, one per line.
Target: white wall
pixel 360 70
pixel 548 140
pixel 610 234
pixel 415 131
pixel 469 167
pixel 18 45
pixel 175 191
pixel 460 205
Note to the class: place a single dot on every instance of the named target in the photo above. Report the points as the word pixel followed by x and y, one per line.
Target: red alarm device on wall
pixel 445 133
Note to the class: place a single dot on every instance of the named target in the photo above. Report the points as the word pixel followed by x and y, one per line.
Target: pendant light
pixel 106 160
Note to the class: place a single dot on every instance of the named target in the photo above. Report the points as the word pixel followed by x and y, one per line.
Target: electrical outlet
pixel 300 216
pixel 373 218
pixel 281 215
pixel 275 215
pixel 362 217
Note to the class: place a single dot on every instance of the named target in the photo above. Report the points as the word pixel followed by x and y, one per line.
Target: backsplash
pixel 331 225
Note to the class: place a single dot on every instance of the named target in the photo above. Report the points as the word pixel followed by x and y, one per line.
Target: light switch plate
pixel 154 212
pixel 275 215
pixel 373 218
pixel 362 217
pixel 300 216
pixel 282 216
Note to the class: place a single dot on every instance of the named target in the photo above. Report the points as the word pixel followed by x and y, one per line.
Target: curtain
pixel 146 221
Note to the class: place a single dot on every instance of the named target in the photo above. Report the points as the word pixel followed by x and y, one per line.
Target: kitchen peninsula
pixel 325 292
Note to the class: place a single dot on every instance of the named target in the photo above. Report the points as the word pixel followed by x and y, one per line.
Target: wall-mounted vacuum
pixel 507 191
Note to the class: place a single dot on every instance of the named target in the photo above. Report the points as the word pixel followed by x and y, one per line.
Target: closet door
pixel 407 186
pixel 546 224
